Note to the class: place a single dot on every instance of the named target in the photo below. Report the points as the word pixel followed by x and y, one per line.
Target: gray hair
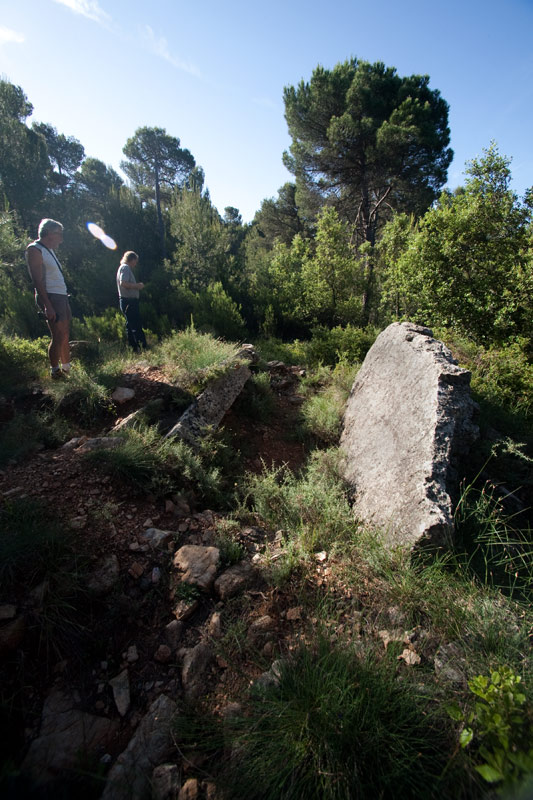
pixel 47 226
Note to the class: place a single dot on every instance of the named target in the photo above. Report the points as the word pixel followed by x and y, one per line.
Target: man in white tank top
pixel 51 293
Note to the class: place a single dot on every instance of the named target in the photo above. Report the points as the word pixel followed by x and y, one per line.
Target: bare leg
pixel 59 350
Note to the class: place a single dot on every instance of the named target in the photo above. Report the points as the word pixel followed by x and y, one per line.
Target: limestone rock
pixel 408 420
pixel 65 733
pixel 210 406
pixel 156 538
pixel 196 664
pixel 234 580
pixel 166 782
pixel 121 692
pixel 198 565
pixel 105 576
pixel 129 778
pixel 122 394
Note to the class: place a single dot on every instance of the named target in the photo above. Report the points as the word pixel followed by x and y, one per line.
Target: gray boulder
pixel 407 423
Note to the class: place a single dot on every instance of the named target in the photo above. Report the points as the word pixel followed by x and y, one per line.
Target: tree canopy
pixel 367 141
pixel 155 160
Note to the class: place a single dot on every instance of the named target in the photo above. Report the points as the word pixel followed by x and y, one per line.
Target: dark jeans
pixel 130 308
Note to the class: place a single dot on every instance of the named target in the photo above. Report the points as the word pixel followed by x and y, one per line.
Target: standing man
pixel 51 293
pixel 128 292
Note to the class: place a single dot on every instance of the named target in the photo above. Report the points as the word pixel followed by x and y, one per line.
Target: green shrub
pixel 330 345
pixel 215 311
pixel 498 728
pixel 20 361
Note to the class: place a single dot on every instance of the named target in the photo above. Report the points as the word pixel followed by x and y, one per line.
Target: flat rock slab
pixel 65 734
pixel 407 422
pixel 207 411
pixel 129 778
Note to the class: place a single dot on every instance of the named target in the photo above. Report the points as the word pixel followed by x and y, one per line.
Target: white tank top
pixel 53 277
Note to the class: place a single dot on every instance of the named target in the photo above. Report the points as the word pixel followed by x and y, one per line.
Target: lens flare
pixel 98 233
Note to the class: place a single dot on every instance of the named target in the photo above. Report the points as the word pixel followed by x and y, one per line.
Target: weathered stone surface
pixel 100 443
pixel 121 691
pixel 122 394
pixel 129 778
pixel 102 580
pixel 65 733
pixel 156 538
pixel 166 780
pixel 198 564
pixel 407 421
pixel 209 407
pixel 196 664
pixel 234 580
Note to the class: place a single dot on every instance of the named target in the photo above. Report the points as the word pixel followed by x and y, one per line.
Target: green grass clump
pixel 152 464
pixel 499 552
pixel 313 509
pixel 192 358
pixel 323 410
pixel 337 728
pixel 27 433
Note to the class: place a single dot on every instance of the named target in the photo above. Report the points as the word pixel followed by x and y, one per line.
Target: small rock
pixel 196 664
pixel 166 782
pixel 214 625
pixel 8 611
pixel 102 580
pixel 121 691
pixel 136 570
pixel 156 538
pixel 322 556
pixel 173 633
pixel 189 790
pixel 198 564
pixel 169 506
pixel 122 394
pixel 132 655
pixel 185 609
pixel 147 523
pixel 234 580
pixel 163 654
pixel 78 523
pixel 294 613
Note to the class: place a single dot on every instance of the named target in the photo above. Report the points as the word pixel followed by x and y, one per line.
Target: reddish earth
pixel 107 518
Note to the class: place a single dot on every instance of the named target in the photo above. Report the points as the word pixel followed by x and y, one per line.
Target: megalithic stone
pixel 407 424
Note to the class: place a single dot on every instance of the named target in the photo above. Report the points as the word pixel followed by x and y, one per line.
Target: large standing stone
pixel 408 419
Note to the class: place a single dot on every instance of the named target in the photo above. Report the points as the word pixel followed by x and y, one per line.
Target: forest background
pixel 362 236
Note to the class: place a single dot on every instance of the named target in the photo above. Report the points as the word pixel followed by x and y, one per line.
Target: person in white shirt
pixel 51 293
pixel 128 292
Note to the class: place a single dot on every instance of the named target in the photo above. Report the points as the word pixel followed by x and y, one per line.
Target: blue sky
pixel 213 74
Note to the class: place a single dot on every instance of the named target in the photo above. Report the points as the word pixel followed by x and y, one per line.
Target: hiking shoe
pixel 58 374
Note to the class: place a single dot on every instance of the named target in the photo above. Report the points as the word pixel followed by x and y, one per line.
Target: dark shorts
pixel 60 305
